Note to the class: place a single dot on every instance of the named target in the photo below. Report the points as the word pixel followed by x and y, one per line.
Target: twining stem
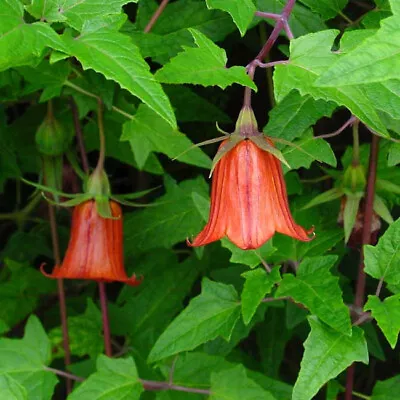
pixel 281 23
pixel 349 122
pixel 155 16
pixel 102 137
pixel 356 144
pixel 65 374
pixel 106 322
pixel 366 239
pixel 61 292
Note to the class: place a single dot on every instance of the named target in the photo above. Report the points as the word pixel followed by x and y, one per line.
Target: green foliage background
pixel 200 313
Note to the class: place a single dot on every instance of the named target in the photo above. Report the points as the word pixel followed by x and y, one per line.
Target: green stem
pixel 102 137
pixel 93 96
pixel 361 396
pixel 356 144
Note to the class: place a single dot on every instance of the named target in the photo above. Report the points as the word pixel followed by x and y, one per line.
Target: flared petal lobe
pixel 249 200
pixel 95 249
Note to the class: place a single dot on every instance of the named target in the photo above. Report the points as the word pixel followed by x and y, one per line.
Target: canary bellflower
pixel 249 201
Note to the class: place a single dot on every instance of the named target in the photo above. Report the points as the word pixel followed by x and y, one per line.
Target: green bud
pixel 51 138
pixel 98 184
pixel 354 179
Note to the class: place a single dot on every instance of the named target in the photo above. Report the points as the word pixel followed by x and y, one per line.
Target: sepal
pixel 381 209
pixel 264 145
pixel 325 197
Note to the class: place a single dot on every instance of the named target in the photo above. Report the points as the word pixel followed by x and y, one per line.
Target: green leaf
pixel 234 384
pixel 147 132
pixel 22 43
pixel 114 379
pixel 350 214
pixel 10 389
pixel 24 360
pixel 326 8
pixel 310 57
pixel 213 313
pixel 174 219
pixel 326 354
pixel 258 283
pixel 85 333
pixel 382 260
pixel 75 13
pixel 115 56
pixel 375 60
pixel 204 65
pixel 3 327
pixel 316 288
pixel 306 150
pixel 384 390
pixel 242 11
pixel 387 315
pixel 294 114
pixel 394 155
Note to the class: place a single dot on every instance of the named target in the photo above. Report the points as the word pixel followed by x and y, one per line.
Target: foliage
pixel 283 321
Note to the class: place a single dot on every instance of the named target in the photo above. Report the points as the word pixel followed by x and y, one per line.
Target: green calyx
pixel 246 124
pixel 98 184
pixel 354 179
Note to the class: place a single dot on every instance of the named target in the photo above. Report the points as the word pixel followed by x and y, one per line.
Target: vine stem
pixel 106 322
pixel 102 137
pixel 155 16
pixel 366 239
pixel 281 23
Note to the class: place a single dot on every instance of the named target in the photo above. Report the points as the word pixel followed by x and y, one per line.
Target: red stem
pixel 366 239
pixel 155 16
pixel 156 386
pixel 106 323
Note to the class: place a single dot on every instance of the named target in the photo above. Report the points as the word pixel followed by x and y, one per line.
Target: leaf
pixel 147 132
pixel 22 43
pixel 24 360
pixel 316 288
pixel 326 354
pixel 213 313
pixel 204 65
pixel 115 56
pixel 310 57
pixel 233 384
pixel 173 220
pixel 326 8
pixel 242 11
pixel 350 214
pixel 85 333
pixel 75 13
pixel 306 150
pixel 114 379
pixel 382 260
pixel 291 117
pixel 375 60
pixel 394 155
pixel 11 390
pixel 258 283
pixel 383 390
pixel 387 315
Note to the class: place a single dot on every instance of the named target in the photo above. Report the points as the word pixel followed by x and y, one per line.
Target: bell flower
pixel 249 201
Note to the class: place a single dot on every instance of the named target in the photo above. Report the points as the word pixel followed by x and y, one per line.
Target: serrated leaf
pixel 384 390
pixel 375 60
pixel 115 56
pixel 114 379
pixel 242 11
pixel 204 65
pixel 311 56
pixel 382 260
pixel 258 283
pixel 174 219
pixel 233 384
pixel 24 361
pixel 387 315
pixel 326 8
pixel 22 43
pixel 211 314
pixel 10 389
pixel 316 288
pixel 147 132
pixel 291 117
pixel 75 13
pixel 326 354
pixel 85 333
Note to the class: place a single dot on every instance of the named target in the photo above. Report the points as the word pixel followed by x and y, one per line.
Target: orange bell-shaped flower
pixel 95 249
pixel 249 201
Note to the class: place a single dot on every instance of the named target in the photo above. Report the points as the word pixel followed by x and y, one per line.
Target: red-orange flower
pixel 95 249
pixel 248 198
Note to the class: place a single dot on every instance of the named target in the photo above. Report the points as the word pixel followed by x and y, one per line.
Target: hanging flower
pixel 249 201
pixel 95 249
